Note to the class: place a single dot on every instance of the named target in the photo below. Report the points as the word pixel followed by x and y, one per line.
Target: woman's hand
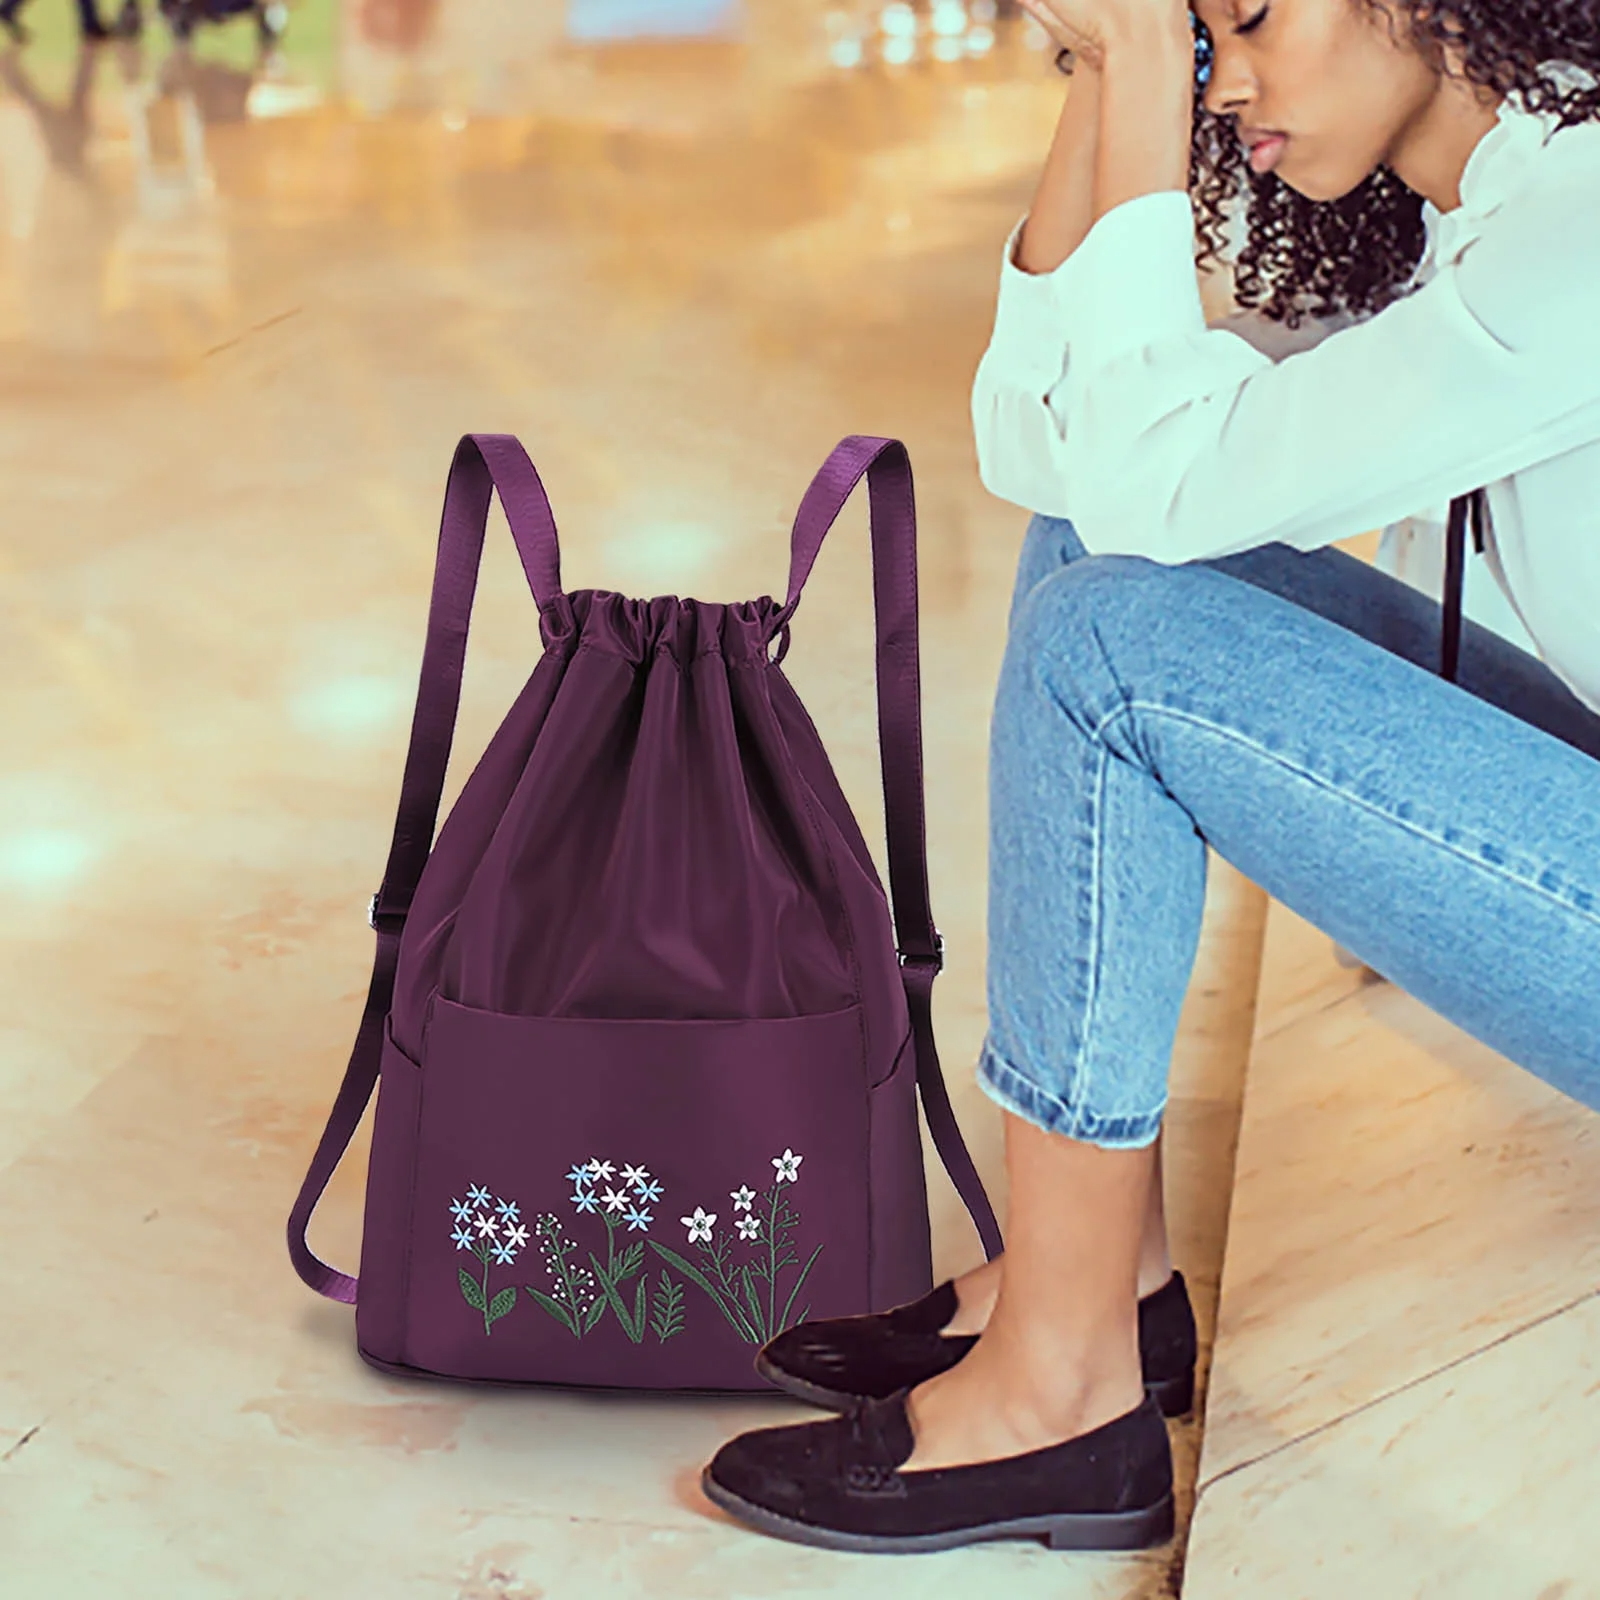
pixel 1090 27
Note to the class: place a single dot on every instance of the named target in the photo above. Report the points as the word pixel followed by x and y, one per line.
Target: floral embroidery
pixel 746 1292
pixel 486 1247
pixel 581 1295
pixel 699 1225
pixel 576 1303
pixel 749 1267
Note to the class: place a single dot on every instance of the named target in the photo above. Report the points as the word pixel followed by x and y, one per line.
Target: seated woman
pixel 1191 664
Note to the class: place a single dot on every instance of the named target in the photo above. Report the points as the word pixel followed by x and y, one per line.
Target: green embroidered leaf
pixel 783 1321
pixel 556 1310
pixel 639 1309
pixel 501 1304
pixel 615 1300
pixel 597 1309
pixel 632 1258
pixel 471 1289
pixel 729 1310
pixel 667 1317
pixel 756 1318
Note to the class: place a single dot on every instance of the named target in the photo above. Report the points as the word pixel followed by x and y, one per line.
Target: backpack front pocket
pixel 634 1203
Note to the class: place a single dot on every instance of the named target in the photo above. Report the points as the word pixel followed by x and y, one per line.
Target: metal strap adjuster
pixel 396 919
pixel 937 959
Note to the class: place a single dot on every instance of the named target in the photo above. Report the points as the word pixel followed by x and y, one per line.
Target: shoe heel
pixel 1175 1396
pixel 1115 1530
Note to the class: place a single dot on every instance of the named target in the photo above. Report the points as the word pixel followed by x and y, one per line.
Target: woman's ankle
pixel 976 1292
pixel 1154 1273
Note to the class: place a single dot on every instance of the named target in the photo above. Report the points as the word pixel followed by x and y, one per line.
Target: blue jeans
pixel 1284 707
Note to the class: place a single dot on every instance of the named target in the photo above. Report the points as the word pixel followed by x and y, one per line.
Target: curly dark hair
pixel 1358 254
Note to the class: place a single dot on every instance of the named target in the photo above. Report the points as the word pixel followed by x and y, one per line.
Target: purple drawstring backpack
pixel 648 1043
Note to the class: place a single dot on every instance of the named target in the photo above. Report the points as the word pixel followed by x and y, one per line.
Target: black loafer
pixel 841 1360
pixel 837 1484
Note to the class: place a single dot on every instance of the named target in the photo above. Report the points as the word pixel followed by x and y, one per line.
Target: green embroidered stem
pixel 772 1256
pixel 634 1330
pixel 488 1321
pixel 716 1252
pixel 796 1290
pixel 734 1317
pixel 577 1320
pixel 753 1300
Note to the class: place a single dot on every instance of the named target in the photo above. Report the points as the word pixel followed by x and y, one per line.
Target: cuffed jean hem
pixel 1010 1090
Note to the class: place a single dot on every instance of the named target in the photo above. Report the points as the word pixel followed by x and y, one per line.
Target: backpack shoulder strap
pixel 484 463
pixel 887 469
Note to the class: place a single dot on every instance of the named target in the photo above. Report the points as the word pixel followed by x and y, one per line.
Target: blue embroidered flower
pixel 649 1192
pixel 509 1210
pixel 580 1176
pixel 478 1195
pixel 638 1217
pixel 460 1210
pixel 463 1239
pixel 585 1200
pixel 504 1255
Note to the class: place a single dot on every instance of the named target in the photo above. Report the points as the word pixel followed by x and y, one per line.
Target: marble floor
pixel 248 306
pixel 248 303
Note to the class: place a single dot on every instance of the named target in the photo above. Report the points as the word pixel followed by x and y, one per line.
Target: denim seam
pixel 1357 799
pixel 1020 1095
pixel 1081 1069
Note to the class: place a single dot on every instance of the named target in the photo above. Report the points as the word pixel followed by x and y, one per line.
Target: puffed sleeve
pixel 1104 397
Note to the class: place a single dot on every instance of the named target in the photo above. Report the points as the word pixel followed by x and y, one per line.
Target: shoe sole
pixel 1061 1530
pixel 1175 1396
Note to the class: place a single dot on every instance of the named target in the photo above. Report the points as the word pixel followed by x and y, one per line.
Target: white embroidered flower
pixel 788 1165
pixel 601 1169
pixel 460 1210
pixel 617 1200
pixel 462 1237
pixel 635 1176
pixel 699 1225
pixel 516 1236
pixel 742 1197
pixel 509 1209
pixel 748 1227
pixel 486 1225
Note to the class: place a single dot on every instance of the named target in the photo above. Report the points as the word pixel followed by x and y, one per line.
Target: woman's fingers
pixel 1063 34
